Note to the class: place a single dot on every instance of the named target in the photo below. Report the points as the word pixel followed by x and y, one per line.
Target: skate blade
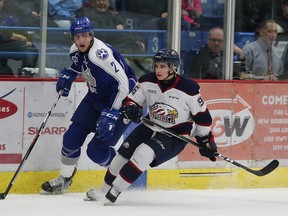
pixel 99 202
pixel 90 200
pixel 42 192
pixel 107 202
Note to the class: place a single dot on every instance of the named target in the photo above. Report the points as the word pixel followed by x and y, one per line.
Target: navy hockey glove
pixel 132 111
pixel 66 78
pixel 106 124
pixel 207 146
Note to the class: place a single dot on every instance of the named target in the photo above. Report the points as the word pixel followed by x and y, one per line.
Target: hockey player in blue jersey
pixel 173 102
pixel 109 80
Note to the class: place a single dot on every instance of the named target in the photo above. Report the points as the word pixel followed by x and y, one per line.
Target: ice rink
pixel 236 202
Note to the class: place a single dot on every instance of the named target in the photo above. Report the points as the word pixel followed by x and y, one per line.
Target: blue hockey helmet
pixel 81 25
pixel 169 56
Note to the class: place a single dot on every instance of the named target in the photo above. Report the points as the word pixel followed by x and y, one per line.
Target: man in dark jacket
pixel 14 44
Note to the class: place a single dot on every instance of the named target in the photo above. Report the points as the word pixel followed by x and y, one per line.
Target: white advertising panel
pixel 23 108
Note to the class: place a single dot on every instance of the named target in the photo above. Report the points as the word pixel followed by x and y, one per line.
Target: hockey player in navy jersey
pixel 109 80
pixel 173 102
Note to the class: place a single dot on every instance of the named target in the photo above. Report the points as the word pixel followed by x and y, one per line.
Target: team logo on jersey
pixel 102 54
pixel 163 112
pixel 75 59
pixel 90 80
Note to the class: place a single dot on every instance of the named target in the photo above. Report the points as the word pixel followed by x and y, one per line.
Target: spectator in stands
pixel 63 11
pixel 150 14
pixel 14 44
pixel 105 18
pixel 207 63
pixel 261 57
pixel 102 15
pixel 281 17
pixel 249 13
pixel 27 10
pixel 191 12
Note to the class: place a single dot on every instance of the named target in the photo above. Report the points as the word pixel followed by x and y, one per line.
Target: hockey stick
pixel 262 172
pixel 3 195
pixel 140 66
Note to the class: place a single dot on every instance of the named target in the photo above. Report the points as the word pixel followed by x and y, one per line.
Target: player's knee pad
pixel 143 156
pixel 74 137
pixel 102 156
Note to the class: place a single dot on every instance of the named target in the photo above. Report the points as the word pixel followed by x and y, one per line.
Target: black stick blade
pixel 267 169
pixel 2 196
pixel 262 172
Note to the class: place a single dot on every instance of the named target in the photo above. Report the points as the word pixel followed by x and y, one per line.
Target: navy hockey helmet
pixel 81 25
pixel 169 56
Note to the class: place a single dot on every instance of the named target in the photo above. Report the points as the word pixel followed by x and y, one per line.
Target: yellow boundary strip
pixel 30 182
pixel 215 179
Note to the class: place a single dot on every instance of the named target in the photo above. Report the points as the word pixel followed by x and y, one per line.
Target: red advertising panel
pixel 250 120
pixel 11 124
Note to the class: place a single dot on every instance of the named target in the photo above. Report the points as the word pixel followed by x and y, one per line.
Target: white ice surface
pixel 234 202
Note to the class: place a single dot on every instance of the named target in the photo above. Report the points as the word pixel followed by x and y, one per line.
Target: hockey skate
pixel 97 194
pixel 112 194
pixel 57 186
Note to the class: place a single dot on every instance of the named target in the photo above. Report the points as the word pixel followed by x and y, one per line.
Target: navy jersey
pixel 178 106
pixel 107 75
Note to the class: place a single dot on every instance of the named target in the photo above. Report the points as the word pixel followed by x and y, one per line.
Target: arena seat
pixel 212 14
pixel 242 38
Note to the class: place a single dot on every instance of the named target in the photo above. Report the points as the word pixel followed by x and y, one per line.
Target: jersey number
pixel 115 67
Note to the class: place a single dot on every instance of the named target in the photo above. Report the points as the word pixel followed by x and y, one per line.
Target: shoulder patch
pixel 102 54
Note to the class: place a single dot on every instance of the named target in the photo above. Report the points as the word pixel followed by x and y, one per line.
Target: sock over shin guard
pixel 138 163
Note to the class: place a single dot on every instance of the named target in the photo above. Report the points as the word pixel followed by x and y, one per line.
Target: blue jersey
pixel 107 75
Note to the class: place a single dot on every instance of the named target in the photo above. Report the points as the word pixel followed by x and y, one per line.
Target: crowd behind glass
pixel 137 29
